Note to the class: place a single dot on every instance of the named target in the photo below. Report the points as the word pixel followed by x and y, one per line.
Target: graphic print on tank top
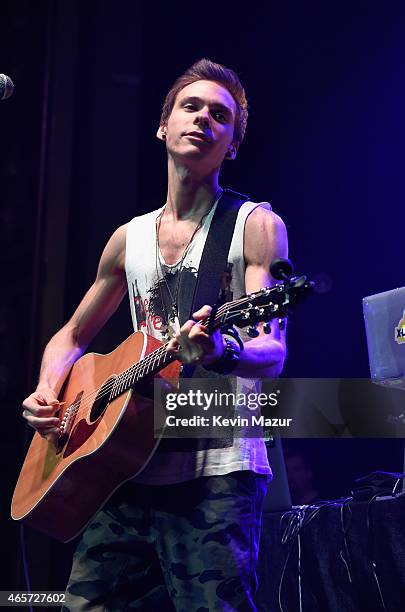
pixel 155 312
pixel 172 294
pixel 139 307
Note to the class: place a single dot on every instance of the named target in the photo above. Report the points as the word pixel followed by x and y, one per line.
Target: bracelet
pixel 233 332
pixel 229 359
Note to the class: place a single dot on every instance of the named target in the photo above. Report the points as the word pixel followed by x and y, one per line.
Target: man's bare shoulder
pixel 119 236
pixel 113 257
pixel 264 219
pixel 265 236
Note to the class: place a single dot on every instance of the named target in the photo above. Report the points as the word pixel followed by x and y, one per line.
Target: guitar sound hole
pixel 102 400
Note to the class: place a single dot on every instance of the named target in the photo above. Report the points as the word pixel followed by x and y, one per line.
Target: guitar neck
pixel 148 366
pixel 160 358
pixel 263 305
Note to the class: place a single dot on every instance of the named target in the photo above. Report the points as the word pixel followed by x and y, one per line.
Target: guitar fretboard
pixel 149 365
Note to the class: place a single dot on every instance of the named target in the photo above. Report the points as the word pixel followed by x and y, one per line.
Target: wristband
pixel 229 359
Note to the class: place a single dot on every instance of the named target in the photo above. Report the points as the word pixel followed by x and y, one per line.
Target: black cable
pixel 345 528
pixel 297 519
pixel 370 549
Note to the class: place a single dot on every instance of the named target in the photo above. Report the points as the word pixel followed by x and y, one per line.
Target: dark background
pixel 78 157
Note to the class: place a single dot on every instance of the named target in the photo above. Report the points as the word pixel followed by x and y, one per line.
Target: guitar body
pixel 60 488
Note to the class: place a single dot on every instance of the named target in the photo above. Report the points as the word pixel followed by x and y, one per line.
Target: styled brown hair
pixel 207 70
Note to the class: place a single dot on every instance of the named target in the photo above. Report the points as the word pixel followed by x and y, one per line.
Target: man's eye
pixel 189 106
pixel 219 116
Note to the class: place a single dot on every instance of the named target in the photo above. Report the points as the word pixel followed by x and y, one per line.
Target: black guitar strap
pixel 213 262
pixel 214 256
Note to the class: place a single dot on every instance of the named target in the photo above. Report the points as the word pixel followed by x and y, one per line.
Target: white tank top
pixel 145 269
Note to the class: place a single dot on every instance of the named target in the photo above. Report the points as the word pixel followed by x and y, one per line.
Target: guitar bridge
pixel 68 419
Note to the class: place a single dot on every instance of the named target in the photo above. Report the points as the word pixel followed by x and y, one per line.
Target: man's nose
pixel 202 117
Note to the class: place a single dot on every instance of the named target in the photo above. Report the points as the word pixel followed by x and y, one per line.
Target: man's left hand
pixel 192 344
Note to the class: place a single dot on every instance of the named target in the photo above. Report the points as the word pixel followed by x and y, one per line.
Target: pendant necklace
pixel 172 317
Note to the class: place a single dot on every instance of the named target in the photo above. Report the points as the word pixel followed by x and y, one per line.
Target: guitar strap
pixel 215 254
pixel 213 262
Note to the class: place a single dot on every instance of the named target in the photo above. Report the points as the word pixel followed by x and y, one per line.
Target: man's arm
pixel 265 239
pixel 70 342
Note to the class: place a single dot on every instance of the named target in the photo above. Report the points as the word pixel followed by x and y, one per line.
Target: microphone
pixel 6 87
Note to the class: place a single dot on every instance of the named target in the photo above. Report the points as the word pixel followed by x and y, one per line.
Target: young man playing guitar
pixel 182 535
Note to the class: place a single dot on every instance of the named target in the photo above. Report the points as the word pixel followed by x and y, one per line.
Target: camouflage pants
pixel 189 547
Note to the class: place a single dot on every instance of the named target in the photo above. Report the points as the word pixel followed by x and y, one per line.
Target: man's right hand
pixel 39 411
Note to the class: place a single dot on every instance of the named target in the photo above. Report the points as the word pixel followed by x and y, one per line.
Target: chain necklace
pixel 173 316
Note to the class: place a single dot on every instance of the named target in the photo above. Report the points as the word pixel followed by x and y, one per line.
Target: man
pixel 183 534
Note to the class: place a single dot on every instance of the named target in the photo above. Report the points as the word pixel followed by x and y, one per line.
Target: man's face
pixel 201 125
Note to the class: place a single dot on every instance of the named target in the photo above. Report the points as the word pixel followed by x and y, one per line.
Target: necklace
pixel 172 317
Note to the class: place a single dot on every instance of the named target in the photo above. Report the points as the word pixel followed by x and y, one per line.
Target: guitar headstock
pixel 264 305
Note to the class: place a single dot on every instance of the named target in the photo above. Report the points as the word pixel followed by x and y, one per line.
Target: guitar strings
pixel 121 379
pixel 160 352
pixel 136 372
pixel 150 360
pixel 86 404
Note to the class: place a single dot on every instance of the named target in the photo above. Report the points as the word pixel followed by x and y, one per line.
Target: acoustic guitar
pixel 106 434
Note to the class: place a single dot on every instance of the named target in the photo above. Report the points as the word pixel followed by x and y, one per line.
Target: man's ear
pixel 232 151
pixel 161 133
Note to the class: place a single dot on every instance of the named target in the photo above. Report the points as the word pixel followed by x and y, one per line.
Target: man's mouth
pixel 199 135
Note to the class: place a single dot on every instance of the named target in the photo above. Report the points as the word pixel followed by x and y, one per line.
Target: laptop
pixel 384 317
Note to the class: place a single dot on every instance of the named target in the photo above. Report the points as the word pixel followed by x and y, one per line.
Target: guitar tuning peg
pixel 267 328
pixel 252 331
